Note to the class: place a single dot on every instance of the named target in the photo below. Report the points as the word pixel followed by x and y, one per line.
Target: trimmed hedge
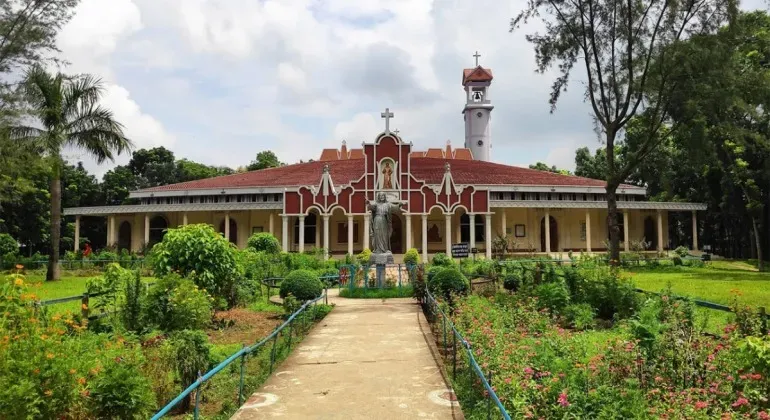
pixel 412 257
pixel 447 282
pixel 302 284
pixel 265 242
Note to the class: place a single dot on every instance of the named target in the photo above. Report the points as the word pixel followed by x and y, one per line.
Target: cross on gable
pixel 477 55
pixel 387 115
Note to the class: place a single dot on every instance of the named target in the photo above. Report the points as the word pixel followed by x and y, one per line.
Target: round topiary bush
pixel 447 282
pixel 412 257
pixel 265 242
pixel 302 284
pixel 512 281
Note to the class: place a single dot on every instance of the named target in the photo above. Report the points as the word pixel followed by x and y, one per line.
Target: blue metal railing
pixel 242 353
pixel 486 381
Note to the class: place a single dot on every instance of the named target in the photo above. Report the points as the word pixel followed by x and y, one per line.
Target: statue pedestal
pixel 379 260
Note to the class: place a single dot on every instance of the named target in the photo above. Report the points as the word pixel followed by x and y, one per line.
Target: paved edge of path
pixel 368 359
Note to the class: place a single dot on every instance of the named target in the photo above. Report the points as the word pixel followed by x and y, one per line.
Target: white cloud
pixel 220 80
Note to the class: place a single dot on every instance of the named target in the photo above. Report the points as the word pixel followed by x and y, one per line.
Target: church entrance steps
pixel 368 359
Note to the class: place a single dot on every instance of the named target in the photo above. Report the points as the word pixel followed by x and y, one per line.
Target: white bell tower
pixel 478 111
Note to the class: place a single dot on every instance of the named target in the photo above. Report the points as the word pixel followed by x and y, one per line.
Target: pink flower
pixel 740 402
pixel 528 370
pixel 763 415
pixel 563 400
pixel 700 405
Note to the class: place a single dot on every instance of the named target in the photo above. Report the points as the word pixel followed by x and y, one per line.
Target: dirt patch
pixel 242 326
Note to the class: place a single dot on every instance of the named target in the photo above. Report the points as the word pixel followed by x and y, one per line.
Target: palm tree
pixel 68 114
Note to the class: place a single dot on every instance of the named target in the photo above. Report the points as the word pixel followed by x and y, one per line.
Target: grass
pixel 66 286
pixel 719 282
pixel 390 293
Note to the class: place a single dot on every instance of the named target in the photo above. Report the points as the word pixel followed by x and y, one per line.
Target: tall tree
pixel 68 115
pixel 616 42
pixel 28 31
pixel 265 159
pixel 540 166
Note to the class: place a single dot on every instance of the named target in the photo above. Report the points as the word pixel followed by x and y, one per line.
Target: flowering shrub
pixel 51 366
pixel 543 371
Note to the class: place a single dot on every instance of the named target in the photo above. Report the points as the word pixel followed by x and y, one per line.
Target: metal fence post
pixel 443 326
pixel 489 396
pixel 240 384
pixel 290 334
pixel 272 353
pixel 84 306
pixel 196 412
pixel 399 280
pixel 454 355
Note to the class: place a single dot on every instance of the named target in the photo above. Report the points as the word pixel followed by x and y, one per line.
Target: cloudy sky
pixel 217 81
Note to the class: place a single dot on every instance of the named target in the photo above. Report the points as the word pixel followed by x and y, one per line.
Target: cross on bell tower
pixel 477 55
pixel 387 115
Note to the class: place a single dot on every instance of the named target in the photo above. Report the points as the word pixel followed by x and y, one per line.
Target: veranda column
pixel 547 222
pixel 424 238
pixel 285 232
pixel 77 233
pixel 488 235
pixel 588 230
pixel 271 223
pixel 660 231
pixel 472 218
pixel 111 234
pixel 503 223
pixel 227 225
pixel 350 234
pixel 694 230
pixel 146 229
pixel 448 234
pixel 626 239
pixel 301 248
pixel 366 231
pixel 184 219
pixel 408 231
pixel 317 234
pixel 327 251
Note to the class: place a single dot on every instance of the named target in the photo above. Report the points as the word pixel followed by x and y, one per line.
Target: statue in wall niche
pixel 381 229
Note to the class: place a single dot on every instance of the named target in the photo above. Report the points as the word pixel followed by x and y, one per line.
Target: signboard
pixel 474 250
pixel 460 250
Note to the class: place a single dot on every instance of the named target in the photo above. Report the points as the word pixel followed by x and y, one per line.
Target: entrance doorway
pixel 650 233
pixel 554 234
pixel 396 243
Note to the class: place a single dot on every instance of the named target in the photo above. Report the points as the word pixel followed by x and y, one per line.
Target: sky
pixel 217 81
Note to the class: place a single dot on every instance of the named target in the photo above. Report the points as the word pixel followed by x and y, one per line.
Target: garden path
pixel 368 359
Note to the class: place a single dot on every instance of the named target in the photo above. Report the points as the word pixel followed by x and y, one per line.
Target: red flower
pixel 740 402
pixel 700 405
pixel 563 400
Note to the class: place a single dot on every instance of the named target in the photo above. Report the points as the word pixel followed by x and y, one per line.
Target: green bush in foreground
pixel 302 284
pixel 412 257
pixel 174 303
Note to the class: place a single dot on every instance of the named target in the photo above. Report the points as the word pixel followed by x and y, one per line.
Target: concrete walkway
pixel 368 359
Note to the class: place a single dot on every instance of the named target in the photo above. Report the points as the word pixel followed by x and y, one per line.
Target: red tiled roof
pixel 431 170
pixel 478 74
pixel 342 172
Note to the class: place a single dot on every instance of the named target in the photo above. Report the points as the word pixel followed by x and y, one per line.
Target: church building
pixel 448 195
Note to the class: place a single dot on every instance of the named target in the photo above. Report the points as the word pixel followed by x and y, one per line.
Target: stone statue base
pixel 381 258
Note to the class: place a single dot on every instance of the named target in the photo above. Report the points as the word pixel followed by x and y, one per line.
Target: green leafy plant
pixel 553 296
pixel 363 256
pixel 264 242
pixel 448 282
pixel 174 303
pixel 8 245
pixel 579 316
pixel 200 253
pixel 441 259
pixel 412 257
pixel 512 281
pixel 302 284
pixel 121 392
pixel 682 251
pixel 193 356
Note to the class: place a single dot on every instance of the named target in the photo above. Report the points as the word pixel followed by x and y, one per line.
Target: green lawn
pixel 67 286
pixel 718 282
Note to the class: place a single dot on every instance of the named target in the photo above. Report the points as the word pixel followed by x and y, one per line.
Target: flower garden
pixel 577 341
pixel 152 337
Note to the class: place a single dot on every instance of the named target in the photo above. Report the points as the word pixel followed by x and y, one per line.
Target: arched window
pixel 124 236
pixel 465 228
pixel 233 230
pixel 310 227
pixel 158 226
